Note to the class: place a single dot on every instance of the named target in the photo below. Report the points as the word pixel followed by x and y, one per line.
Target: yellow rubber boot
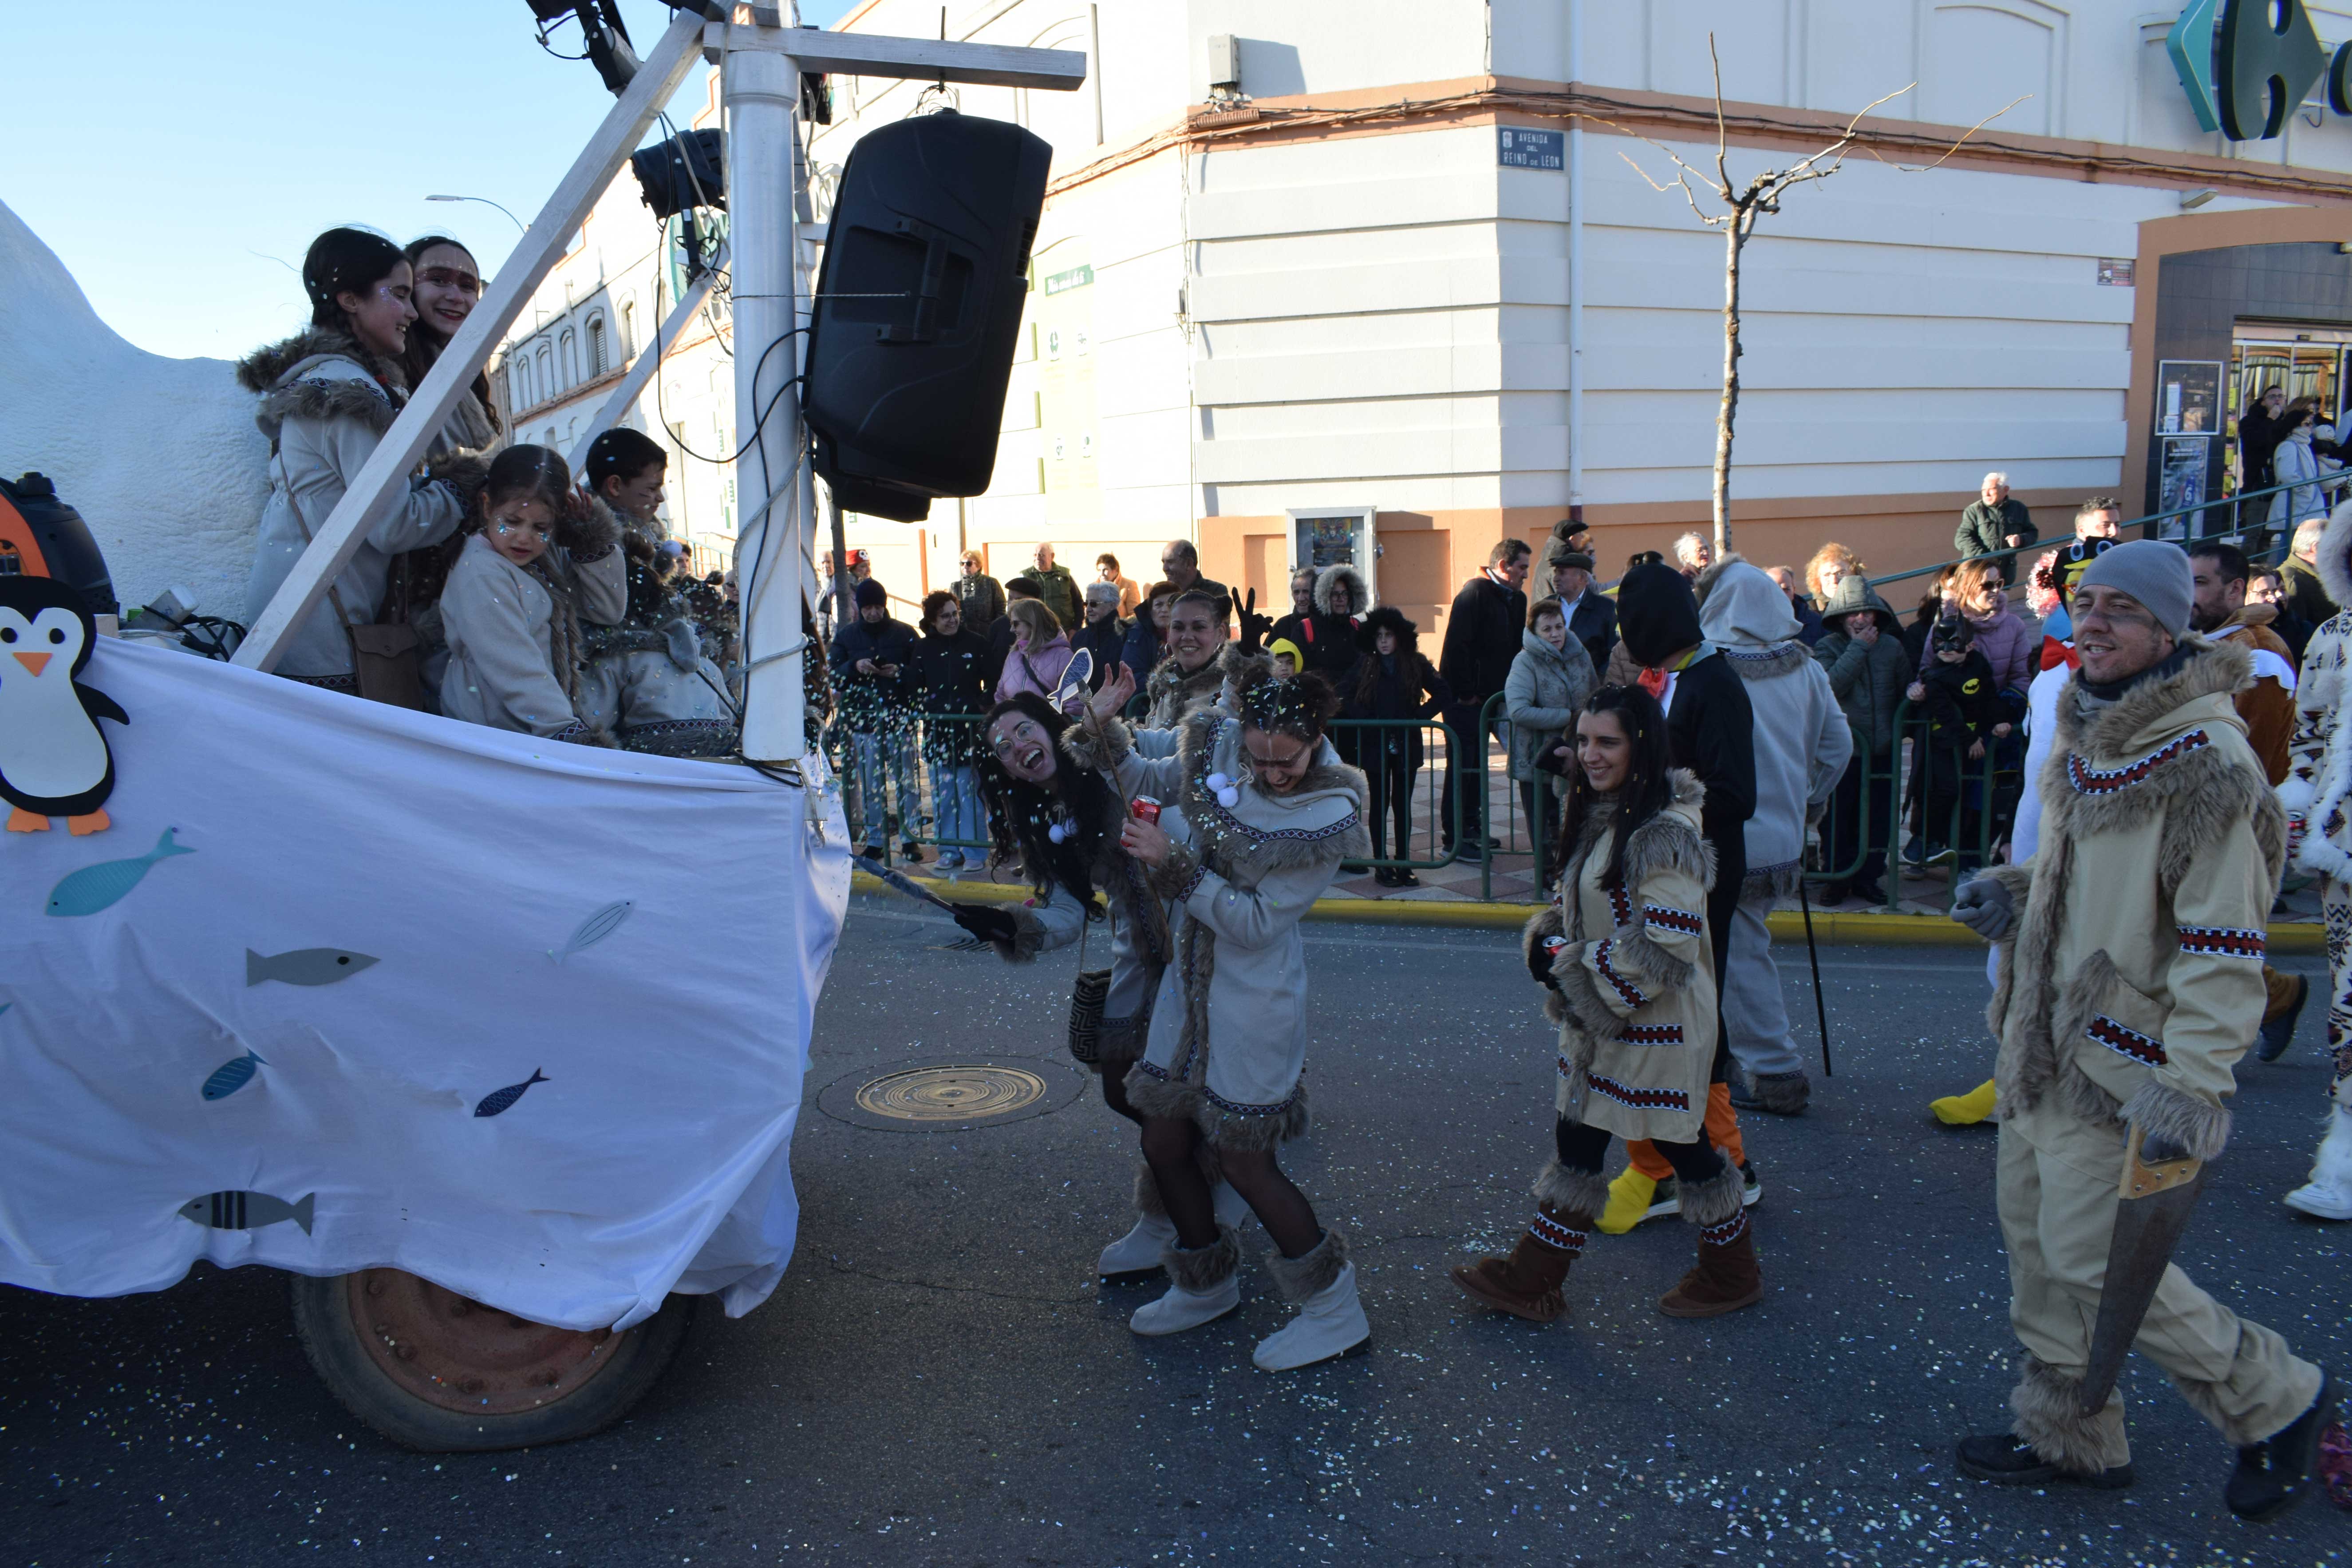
pixel 1954 1110
pixel 1628 1201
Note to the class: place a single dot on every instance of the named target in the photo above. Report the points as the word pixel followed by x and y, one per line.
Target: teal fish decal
pixel 500 1100
pixel 592 930
pixel 232 1076
pixel 247 1211
pixel 305 966
pixel 100 887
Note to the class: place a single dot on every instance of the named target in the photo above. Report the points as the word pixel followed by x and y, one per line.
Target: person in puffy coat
pixel 1548 685
pixel 1394 681
pixel 1868 668
pixel 1326 630
pixel 329 394
pixel 546 560
pixel 1976 593
pixel 1039 653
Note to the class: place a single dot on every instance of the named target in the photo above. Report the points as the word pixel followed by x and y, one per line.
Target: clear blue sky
pixel 166 152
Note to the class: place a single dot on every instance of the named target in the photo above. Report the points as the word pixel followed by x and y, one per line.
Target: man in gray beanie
pixel 2130 982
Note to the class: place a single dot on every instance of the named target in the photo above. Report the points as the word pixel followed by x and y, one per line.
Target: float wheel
pixel 435 1371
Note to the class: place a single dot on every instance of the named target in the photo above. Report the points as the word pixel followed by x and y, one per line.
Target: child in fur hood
pixel 543 559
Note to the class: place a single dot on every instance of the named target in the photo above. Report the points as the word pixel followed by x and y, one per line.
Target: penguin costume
pixel 54 760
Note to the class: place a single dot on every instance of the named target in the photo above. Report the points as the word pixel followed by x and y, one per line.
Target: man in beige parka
pixel 2131 982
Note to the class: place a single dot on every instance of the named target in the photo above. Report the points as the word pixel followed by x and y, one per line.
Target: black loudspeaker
pixel 917 308
pixel 687 171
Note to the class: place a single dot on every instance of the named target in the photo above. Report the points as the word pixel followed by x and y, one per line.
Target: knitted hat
pixel 2152 570
pixel 872 594
pixel 1656 614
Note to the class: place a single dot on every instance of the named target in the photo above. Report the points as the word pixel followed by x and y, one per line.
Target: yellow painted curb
pixel 1843 928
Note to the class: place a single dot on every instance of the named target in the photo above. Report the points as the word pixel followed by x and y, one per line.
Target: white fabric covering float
pixel 632 945
pixel 159 455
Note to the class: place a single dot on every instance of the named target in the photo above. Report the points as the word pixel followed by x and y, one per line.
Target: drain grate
pixel 950 1095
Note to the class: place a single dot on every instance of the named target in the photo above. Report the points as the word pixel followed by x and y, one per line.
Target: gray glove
pixel 1983 906
pixel 2154 1148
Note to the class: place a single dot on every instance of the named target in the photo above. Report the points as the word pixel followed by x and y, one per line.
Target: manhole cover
pixel 951 1095
pixel 959 1093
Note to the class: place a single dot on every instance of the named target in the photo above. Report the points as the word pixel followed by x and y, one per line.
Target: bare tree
pixel 1745 205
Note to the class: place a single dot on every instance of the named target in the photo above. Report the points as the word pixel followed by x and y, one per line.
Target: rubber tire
pixel 331 1339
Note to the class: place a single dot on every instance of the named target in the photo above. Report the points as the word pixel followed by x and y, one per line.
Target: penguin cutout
pixel 54 761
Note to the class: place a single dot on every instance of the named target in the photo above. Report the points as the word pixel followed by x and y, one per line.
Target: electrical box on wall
pixel 1337 536
pixel 1225 63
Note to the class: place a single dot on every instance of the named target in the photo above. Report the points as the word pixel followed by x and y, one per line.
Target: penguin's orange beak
pixel 35 662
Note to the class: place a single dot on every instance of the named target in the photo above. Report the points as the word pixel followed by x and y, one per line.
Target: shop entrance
pixel 2308 360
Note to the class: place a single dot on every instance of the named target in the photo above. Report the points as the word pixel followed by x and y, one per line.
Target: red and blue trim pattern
pixel 1727 1233
pixel 2144 1049
pixel 1639 1098
pixel 1627 992
pixel 1652 1035
pixel 2093 781
pixel 1556 1236
pixel 1681 923
pixel 2223 941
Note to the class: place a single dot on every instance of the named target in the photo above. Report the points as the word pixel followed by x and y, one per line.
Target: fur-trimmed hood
pixel 318 374
pixel 2334 560
pixel 1321 819
pixel 1388 619
pixel 2201 691
pixel 1330 576
pixel 1172 691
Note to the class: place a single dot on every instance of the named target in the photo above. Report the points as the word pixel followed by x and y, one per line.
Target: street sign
pixel 1520 149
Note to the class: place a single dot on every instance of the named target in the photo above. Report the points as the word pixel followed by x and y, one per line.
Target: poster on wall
pixel 2181 482
pixel 2187 397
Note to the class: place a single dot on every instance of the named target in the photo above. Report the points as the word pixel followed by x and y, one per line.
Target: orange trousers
pixel 1722 1130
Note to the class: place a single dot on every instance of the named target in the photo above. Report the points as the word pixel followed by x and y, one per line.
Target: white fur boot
pixel 1139 1250
pixel 1202 1287
pixel 1330 1321
pixel 2328 1194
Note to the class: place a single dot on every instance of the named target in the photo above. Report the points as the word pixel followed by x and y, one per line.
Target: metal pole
pixel 1820 1008
pixel 760 90
pixel 1576 270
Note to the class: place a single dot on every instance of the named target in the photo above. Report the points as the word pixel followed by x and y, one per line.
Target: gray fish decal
pixel 594 929
pixel 232 1076
pixel 305 966
pixel 500 1100
pixel 99 887
pixel 247 1211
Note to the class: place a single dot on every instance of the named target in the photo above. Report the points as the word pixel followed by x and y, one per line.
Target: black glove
pixel 1253 626
pixel 2155 1149
pixel 1540 959
pixel 990 922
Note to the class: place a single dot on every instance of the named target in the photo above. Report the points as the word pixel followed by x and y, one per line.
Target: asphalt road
pixel 939 1382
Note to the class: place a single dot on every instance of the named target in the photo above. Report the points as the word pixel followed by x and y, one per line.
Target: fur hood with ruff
pixel 2200 793
pixel 1173 695
pixel 273 372
pixel 1359 596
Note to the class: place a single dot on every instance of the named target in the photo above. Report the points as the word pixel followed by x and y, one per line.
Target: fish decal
pixel 500 1100
pixel 594 929
pixel 247 1211
pixel 305 966
pixel 232 1076
pixel 100 887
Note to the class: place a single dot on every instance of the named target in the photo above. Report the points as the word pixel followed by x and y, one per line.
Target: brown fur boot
pixel 1525 1283
pixel 1726 1278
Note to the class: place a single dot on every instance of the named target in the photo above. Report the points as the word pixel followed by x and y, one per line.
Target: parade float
pixel 435 1018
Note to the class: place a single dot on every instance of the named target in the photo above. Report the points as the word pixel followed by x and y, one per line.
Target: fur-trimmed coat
pixel 1228 1038
pixel 325 404
pixel 1636 1004
pixel 515 652
pixel 2319 764
pixel 1172 694
pixel 2132 978
pixel 1137 940
pixel 1802 739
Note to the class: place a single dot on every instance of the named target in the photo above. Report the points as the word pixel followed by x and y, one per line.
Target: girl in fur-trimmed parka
pixel 329 394
pixel 2317 796
pixel 1257 813
pixel 1055 807
pixel 545 559
pixel 1623 954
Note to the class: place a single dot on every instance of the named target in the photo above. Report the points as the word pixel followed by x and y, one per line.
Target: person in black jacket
pixel 1960 701
pixel 1392 680
pixel 1103 636
pixel 979 596
pixel 948 673
pixel 1482 639
pixel 870 660
pixel 1592 614
pixel 1324 626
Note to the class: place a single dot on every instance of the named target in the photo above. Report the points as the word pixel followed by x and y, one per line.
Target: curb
pixel 1860 928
